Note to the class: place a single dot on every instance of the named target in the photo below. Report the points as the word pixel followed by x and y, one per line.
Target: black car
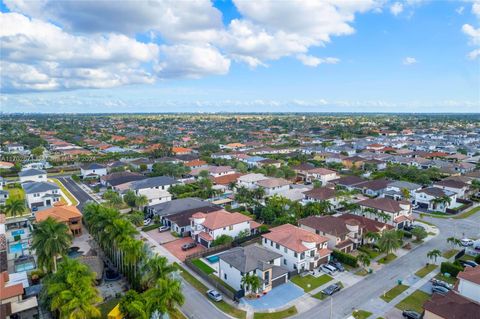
pixel 410 314
pixel 188 246
pixel 468 263
pixel 330 290
pixel 436 282
pixel 337 265
pixel 412 227
pixel 440 290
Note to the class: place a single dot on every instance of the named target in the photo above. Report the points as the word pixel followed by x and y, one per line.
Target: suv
pixel 467 263
pixel 337 265
pixel 188 246
pixel 440 290
pixel 214 295
pixel 436 282
pixel 330 290
pixel 161 229
pixel 328 269
pixel 410 314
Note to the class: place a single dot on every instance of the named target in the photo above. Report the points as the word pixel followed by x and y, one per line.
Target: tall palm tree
pixel 372 236
pixel 14 207
pixel 132 306
pixel 51 239
pixel 453 241
pixel 434 254
pixel 165 296
pixel 141 201
pixel 364 259
pixel 384 216
pixel 133 252
pixel 155 268
pixel 389 242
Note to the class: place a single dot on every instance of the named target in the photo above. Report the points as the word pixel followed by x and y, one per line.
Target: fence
pixel 460 254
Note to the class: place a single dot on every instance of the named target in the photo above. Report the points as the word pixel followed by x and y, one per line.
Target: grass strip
pixel 394 292
pixel 276 315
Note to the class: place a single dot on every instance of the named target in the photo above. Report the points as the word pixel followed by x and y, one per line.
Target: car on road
pixel 338 265
pixel 440 290
pixel 467 263
pixel 188 246
pixel 162 229
pixel 328 269
pixel 214 295
pixel 410 314
pixel 147 222
pixel 466 242
pixel 330 290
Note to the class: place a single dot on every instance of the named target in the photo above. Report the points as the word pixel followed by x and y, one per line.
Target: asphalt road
pixel 79 193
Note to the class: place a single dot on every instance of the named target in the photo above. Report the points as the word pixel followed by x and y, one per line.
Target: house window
pixel 230 228
pixel 302 256
pixel 277 246
pixel 265 240
pixel 294 266
pixel 284 261
pixel 285 249
pixel 312 253
pixel 271 243
pixel 295 254
pixel 225 276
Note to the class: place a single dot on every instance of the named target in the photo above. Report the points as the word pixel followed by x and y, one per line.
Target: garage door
pixel 423 205
pixel 279 281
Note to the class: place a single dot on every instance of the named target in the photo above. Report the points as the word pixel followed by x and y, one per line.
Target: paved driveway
pixel 276 298
pixel 161 237
pixel 175 248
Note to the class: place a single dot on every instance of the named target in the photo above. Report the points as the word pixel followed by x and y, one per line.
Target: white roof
pixel 252 178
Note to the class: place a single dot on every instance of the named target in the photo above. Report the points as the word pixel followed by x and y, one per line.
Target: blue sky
pixel 371 55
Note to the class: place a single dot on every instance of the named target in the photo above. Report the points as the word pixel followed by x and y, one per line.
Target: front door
pixel 48 202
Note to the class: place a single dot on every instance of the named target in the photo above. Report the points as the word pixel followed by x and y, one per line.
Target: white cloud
pixel 396 8
pixel 473 33
pixel 476 8
pixel 460 10
pixel 473 55
pixel 310 60
pixel 409 61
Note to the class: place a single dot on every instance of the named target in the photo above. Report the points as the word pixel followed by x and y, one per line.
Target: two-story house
pixel 458 187
pixel 398 189
pixel 321 174
pixel 12 301
pixel 205 228
pixel 301 250
pixel 68 215
pixel 32 175
pixel 435 199
pixel 93 170
pixel 392 212
pixel 250 180
pixel 237 262
pixel 321 194
pixel 41 194
pixel 273 185
pixel 155 188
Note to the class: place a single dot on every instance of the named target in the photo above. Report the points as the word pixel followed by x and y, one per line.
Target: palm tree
pixel 132 306
pixel 133 252
pixel 51 239
pixel 384 216
pixel 14 207
pixel 135 218
pixel 141 200
pixel 71 291
pixel 372 236
pixel 364 259
pixel 443 200
pixel 406 193
pixel 434 254
pixel 251 283
pixel 389 242
pixel 165 296
pixel 155 268
pixel 454 241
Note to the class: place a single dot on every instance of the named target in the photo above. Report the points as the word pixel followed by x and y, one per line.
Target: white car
pixel 214 295
pixel 328 269
pixel 161 229
pixel 466 242
pixel 147 222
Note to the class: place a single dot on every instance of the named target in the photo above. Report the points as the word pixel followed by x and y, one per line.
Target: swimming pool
pixel 18 232
pixel 212 259
pixel 17 247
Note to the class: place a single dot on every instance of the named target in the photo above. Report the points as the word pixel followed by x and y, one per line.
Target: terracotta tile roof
pixel 227 179
pixel 59 213
pixel 6 291
pixel 470 274
pixel 293 237
pixel 321 193
pixel 321 171
pixel 180 150
pixel 328 224
pixel 195 163
pixel 205 236
pixel 452 306
pixel 384 204
pixel 370 225
pixel 222 218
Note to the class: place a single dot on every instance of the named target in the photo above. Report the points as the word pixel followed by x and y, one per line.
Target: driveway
pixel 175 248
pixel 161 237
pixel 276 298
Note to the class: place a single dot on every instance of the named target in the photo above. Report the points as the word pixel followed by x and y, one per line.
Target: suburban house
pixel 12 302
pixel 353 162
pixel 119 178
pixel 308 172
pixel 41 194
pixel 343 235
pixel 321 194
pixel 395 213
pixel 32 175
pixel 15 148
pixel 396 190
pixel 155 188
pixel 435 199
pixel 237 262
pixel 250 180
pixel 69 215
pixel 300 249
pixel 214 171
pixel 273 185
pixel 93 170
pixel 458 187
pixel 347 182
pixel 177 213
pixel 373 188
pixel 205 228
pixel 461 302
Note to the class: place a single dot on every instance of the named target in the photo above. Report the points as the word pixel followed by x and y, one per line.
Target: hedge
pixel 150 227
pixel 407 234
pixel 452 269
pixel 345 258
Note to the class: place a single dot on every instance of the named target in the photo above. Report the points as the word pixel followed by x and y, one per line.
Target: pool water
pixel 17 247
pixel 18 232
pixel 25 266
pixel 213 259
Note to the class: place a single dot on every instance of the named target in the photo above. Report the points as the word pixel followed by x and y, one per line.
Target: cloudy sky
pixel 239 55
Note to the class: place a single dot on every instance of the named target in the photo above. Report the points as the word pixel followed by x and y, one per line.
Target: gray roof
pixel 407 185
pixel 93 166
pixel 153 182
pixel 180 205
pixel 249 258
pixel 32 172
pixel 38 187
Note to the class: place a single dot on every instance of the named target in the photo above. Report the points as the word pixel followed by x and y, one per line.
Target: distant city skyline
pixel 412 56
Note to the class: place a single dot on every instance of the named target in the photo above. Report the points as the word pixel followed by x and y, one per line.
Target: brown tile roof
pixel 273 182
pixel 452 306
pixel 470 274
pixel 222 218
pixel 293 237
pixel 321 193
pixel 451 183
pixel 196 162
pixel 227 179
pixel 369 225
pixel 328 224
pixel 384 204
pixel 321 171
pixel 348 180
pixel 7 292
pixel 59 213
pixel 375 185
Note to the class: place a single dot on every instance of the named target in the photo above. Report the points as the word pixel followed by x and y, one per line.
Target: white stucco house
pixel 273 185
pixel 32 175
pixel 250 180
pixel 428 198
pixel 93 170
pixel 41 194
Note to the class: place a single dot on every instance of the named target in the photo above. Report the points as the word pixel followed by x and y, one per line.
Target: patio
pixel 278 297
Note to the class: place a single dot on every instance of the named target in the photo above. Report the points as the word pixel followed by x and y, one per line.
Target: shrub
pixel 477 259
pixel 222 240
pixel 345 258
pixel 407 234
pixel 452 269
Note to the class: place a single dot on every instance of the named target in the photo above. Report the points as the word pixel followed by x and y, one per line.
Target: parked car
pixel 214 295
pixel 467 263
pixel 412 227
pixel 410 314
pixel 466 242
pixel 188 246
pixel 330 290
pixel 163 228
pixel 440 290
pixel 441 283
pixel 337 265
pixel 147 222
pixel 328 269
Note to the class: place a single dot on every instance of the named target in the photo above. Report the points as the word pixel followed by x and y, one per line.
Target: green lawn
pixel 222 305
pixel 394 292
pixel 414 302
pixel 203 266
pixel 276 315
pixel 361 272
pixel 65 191
pixel 449 253
pixel 467 257
pixel 425 270
pixel 303 282
pixel 107 306
pixel 387 259
pixel 319 295
pixel 468 214
pixel 17 193
pixel 450 280
pixel 372 253
pixel 361 314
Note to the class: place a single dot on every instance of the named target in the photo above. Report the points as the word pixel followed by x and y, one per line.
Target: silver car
pixel 214 295
pixel 328 269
